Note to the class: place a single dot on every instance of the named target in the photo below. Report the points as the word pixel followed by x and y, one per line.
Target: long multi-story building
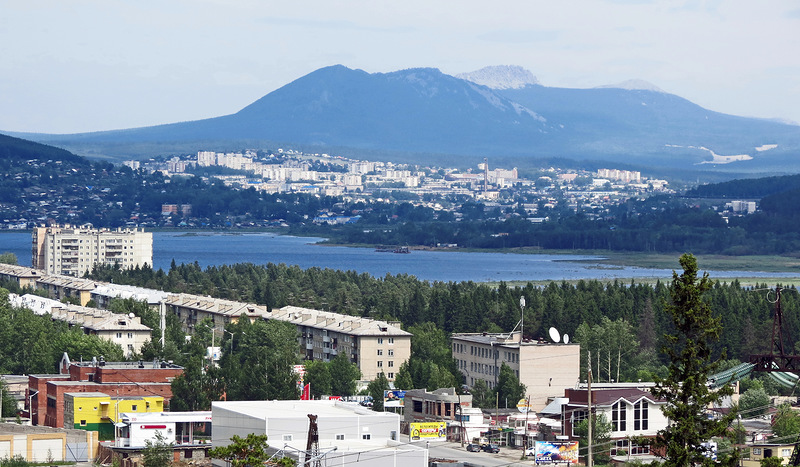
pixel 73 251
pixel 544 368
pixel 375 346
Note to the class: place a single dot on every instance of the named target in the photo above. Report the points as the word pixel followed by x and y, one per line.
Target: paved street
pixel 454 451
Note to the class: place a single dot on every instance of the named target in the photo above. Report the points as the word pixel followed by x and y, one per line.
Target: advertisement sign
pixel 556 453
pixel 428 430
pixel 393 398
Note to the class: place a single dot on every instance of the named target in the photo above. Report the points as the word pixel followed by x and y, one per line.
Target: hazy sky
pixel 86 65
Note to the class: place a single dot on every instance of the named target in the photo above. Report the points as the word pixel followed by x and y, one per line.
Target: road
pixel 447 450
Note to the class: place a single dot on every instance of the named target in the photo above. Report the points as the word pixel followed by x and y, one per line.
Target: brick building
pixel 118 379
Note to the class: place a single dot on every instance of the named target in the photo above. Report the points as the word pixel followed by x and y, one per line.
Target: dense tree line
pixel 627 324
pixel 31 343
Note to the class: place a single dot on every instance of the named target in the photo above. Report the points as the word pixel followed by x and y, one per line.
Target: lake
pixel 213 249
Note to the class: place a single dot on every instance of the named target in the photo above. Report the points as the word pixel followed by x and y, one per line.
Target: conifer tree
pixel 685 389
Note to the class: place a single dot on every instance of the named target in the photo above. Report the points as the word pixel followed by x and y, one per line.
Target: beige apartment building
pixel 375 346
pixel 544 368
pixel 73 251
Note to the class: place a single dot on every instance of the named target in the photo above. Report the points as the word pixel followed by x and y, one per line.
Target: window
pixel 133 408
pixel 380 363
pixel 618 416
pixel 119 335
pixel 640 415
pixel 287 437
pixel 391 363
pixel 391 340
pixel 380 351
pixel 390 375
pixel 130 335
pixel 366 436
pixel 380 340
pixel 786 452
pixel 577 417
pixel 391 352
pixel 757 451
pixel 83 422
pixel 340 437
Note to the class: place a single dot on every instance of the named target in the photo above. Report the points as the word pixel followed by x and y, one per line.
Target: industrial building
pixel 347 432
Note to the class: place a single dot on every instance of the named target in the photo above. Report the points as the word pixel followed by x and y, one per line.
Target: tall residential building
pixel 73 251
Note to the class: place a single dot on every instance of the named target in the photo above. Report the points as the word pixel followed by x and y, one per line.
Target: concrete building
pixel 192 309
pixel 105 293
pixel 544 368
pixel 348 433
pixel 375 346
pixel 127 331
pixel 97 411
pixel 73 251
pixel 46 445
pixel 20 275
pixel 633 413
pixel 120 379
pixel 61 287
pixel 179 428
pixel 463 421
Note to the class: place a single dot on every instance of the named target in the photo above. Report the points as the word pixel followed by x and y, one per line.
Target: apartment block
pixel 73 251
pixel 544 368
pixel 375 346
pixel 127 331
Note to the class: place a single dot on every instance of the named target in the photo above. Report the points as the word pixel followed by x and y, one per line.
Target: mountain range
pixel 499 112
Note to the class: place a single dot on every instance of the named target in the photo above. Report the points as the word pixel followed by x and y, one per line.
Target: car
pixel 491 448
pixel 472 447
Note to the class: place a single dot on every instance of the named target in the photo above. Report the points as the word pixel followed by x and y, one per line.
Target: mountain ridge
pixel 425 111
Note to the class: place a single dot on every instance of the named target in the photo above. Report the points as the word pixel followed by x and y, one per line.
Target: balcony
pixel 309 345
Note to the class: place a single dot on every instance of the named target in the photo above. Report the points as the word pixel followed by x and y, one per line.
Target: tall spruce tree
pixel 685 388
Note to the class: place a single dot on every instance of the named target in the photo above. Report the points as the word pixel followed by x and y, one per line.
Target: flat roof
pixel 299 409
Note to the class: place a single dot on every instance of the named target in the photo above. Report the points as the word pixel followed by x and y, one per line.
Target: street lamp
pixel 225 330
pixel 30 404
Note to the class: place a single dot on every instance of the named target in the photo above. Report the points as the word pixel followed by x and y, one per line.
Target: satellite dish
pixel 566 338
pixel 131 315
pixel 554 335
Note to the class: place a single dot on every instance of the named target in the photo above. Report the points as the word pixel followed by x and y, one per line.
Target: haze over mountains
pixel 498 112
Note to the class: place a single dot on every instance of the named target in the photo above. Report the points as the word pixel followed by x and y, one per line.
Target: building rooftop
pixel 129 291
pixel 91 318
pixel 336 322
pixel 68 282
pixel 20 271
pixel 299 409
pixel 215 305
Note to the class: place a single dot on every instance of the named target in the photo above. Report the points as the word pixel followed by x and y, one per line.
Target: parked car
pixel 472 447
pixel 491 448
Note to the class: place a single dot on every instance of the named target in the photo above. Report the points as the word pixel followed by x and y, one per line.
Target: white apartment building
pixel 544 368
pixel 73 251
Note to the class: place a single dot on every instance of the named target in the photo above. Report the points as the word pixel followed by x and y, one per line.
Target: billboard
pixel 428 430
pixel 393 398
pixel 547 452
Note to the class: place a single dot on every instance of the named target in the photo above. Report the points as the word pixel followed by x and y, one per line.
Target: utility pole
pixel 589 461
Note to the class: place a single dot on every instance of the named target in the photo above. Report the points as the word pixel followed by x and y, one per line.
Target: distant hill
pixel 423 111
pixel 15 149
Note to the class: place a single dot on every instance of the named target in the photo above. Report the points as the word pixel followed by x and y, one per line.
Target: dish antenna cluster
pixel 555 336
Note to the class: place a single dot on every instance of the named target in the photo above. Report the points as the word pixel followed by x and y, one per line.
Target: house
pixel 347 432
pixel 761 451
pixel 632 412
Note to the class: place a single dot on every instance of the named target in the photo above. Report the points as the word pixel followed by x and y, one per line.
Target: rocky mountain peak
pixel 501 77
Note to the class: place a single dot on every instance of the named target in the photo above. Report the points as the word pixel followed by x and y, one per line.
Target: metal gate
pixel 77 452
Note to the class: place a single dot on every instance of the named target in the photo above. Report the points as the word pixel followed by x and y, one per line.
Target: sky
pixel 90 65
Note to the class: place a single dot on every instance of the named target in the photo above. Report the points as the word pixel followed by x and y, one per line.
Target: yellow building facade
pixel 96 411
